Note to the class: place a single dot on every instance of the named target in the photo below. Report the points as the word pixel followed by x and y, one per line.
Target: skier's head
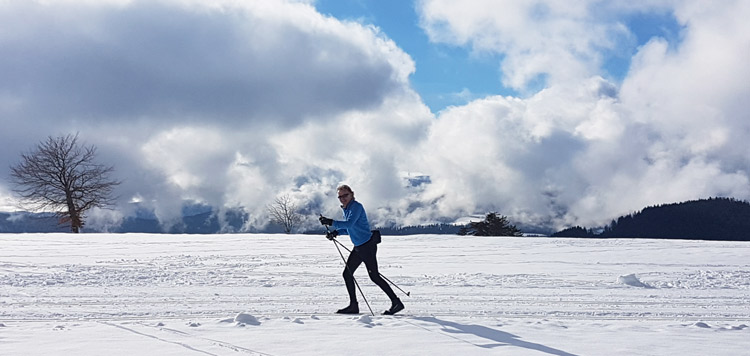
pixel 346 194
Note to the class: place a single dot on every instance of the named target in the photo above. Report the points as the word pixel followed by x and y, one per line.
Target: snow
pixel 144 294
pixel 632 280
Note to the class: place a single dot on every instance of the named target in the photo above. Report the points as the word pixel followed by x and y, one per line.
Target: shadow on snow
pixel 500 338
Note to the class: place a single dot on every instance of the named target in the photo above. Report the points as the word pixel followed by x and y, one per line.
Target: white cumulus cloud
pixel 233 103
pixel 586 149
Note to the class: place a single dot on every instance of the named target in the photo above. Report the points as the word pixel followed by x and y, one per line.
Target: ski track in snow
pixel 189 341
pixel 214 285
pixel 144 284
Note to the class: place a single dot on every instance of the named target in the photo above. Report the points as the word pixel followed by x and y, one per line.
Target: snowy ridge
pixel 256 294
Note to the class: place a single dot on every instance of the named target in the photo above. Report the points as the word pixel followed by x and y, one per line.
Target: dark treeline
pixel 439 229
pixel 202 223
pixel 492 225
pixel 430 229
pixel 706 219
pixel 575 231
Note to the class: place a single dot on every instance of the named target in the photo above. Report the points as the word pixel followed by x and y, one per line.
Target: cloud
pixel 551 41
pixel 213 102
pixel 184 61
pixel 7 203
pixel 585 149
pixel 231 104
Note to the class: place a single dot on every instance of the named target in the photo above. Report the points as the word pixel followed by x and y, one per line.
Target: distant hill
pixel 29 222
pixel 422 229
pixel 432 229
pixel 191 223
pixel 202 223
pixel 706 219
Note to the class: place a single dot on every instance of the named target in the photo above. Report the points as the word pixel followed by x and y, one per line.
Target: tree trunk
pixel 75 219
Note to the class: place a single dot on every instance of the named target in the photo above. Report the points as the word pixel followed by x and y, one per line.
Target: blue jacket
pixel 355 223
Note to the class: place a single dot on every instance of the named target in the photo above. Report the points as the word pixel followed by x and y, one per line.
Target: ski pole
pixel 350 272
pixel 408 294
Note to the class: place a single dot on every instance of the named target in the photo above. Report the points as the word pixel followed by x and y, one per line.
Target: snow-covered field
pixel 137 294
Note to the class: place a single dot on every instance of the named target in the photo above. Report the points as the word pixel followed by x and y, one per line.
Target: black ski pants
pixel 366 253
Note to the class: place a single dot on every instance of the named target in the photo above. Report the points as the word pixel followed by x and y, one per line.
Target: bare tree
pixel 61 176
pixel 284 212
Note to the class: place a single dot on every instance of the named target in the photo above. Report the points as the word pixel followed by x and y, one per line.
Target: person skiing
pixel 365 250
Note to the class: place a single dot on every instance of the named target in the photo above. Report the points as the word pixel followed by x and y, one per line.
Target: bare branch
pixel 61 176
pixel 284 212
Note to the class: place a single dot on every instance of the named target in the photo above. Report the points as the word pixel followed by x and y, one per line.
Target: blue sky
pixel 454 75
pixel 443 71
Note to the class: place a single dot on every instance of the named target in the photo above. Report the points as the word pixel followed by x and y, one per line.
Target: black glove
pixel 332 234
pixel 325 221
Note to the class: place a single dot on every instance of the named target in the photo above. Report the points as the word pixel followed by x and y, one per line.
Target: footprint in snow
pixel 367 320
pixel 295 320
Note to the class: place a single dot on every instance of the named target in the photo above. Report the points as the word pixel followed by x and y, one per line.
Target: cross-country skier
pixel 365 250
